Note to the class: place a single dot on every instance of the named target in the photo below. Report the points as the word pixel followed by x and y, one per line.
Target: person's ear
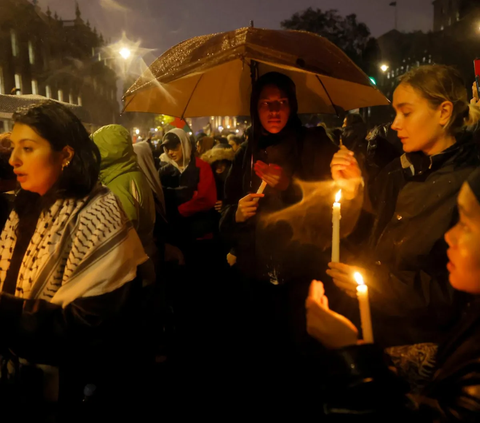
pixel 68 153
pixel 446 112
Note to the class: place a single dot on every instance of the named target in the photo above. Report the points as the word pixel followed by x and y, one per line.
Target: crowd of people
pixel 117 260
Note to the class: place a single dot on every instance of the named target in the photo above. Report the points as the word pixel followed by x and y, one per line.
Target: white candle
pixel 336 216
pixel 262 187
pixel 364 304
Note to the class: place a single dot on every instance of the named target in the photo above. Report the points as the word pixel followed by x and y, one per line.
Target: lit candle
pixel 364 304
pixel 336 216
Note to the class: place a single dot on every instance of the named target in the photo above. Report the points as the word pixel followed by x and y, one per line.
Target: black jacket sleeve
pixel 234 191
pixel 362 385
pixel 43 332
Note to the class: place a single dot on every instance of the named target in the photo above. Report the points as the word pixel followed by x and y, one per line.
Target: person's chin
pixel 275 129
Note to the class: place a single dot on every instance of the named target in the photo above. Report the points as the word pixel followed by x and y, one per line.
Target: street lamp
pixel 125 52
pixel 384 67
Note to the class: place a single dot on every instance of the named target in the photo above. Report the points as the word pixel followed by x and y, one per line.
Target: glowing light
pixel 156 129
pixel 220 128
pixel 384 68
pixel 137 131
pixel 228 126
pixel 237 131
pixel 190 133
pixel 125 52
pixel 338 196
pixel 358 278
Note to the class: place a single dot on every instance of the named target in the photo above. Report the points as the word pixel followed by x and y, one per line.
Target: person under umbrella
pixel 275 269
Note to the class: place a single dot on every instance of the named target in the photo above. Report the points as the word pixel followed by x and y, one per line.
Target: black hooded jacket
pixel 304 154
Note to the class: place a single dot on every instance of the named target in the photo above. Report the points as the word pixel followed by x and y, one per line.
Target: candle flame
pixel 338 196
pixel 358 278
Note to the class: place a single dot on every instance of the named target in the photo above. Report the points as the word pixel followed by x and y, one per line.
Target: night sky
pixel 160 24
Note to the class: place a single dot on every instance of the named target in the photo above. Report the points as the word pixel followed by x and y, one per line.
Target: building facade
pixel 455 41
pixel 59 59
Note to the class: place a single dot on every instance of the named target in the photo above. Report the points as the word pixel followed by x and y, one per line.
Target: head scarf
pixel 186 148
pixel 147 165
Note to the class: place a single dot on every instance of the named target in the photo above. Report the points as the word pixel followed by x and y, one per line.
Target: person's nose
pixel 396 124
pixel 450 236
pixel 274 107
pixel 14 159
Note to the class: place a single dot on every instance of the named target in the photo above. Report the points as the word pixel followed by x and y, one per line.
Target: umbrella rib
pixel 328 95
pixel 126 105
pixel 191 95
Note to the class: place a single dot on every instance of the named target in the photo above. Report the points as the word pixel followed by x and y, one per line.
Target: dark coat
pixel 416 206
pixel 189 199
pixel 261 249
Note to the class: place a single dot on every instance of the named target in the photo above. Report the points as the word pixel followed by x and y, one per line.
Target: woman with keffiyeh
pixel 68 253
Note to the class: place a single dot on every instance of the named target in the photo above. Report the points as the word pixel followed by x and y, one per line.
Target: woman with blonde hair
pixel 405 266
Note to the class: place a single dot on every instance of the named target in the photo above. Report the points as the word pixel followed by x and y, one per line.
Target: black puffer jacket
pixel 409 284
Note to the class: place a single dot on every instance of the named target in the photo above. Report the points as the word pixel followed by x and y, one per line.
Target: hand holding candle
pixel 364 304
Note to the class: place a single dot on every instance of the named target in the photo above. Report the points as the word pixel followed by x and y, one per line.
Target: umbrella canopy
pixel 10 103
pixel 211 75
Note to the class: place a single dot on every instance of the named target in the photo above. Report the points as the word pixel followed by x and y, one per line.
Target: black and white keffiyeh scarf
pixel 80 248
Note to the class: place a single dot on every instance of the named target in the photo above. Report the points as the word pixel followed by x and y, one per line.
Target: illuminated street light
pixel 384 68
pixel 125 52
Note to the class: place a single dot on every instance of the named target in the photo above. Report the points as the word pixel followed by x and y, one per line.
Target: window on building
pixel 60 95
pixel 31 53
pixel 13 37
pixel 48 91
pixel 2 82
pixel 70 98
pixel 34 87
pixel 79 100
pixel 18 83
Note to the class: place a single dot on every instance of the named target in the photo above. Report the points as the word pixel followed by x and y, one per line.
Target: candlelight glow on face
pixel 338 196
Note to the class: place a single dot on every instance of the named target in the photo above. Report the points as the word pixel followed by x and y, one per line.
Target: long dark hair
pixel 60 127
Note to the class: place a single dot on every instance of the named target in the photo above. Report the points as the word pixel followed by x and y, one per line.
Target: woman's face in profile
pixel 464 244
pixel 273 109
pixel 34 162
